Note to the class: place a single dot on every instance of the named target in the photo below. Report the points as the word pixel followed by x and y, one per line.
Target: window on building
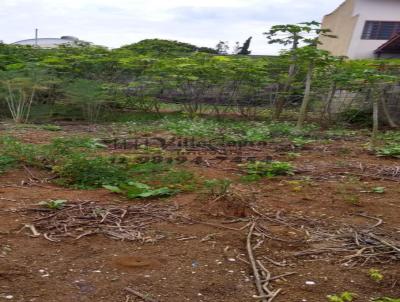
pixel 380 30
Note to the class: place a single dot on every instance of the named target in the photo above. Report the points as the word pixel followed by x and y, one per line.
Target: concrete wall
pixel 393 102
pixel 371 10
pixel 345 100
pixel 342 23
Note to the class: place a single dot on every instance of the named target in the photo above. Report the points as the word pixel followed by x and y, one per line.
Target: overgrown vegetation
pixel 92 83
pixel 77 162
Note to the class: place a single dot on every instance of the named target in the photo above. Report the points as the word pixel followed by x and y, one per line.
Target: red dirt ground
pixel 96 268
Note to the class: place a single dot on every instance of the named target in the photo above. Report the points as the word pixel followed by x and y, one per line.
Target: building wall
pixel 342 23
pixel 371 10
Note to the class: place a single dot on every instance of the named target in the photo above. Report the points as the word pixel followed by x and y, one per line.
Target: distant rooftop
pixel 49 42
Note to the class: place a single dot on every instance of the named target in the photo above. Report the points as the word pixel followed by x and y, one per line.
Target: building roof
pixel 391 46
pixel 48 42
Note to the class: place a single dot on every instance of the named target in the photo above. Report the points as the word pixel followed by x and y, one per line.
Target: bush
pixel 357 117
pixel 85 172
pixel 20 152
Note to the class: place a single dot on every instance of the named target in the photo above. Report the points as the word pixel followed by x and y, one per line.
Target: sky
pixel 114 23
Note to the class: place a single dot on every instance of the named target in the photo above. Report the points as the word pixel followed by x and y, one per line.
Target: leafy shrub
pixel 20 152
pixel 6 162
pixel 82 171
pixel 139 190
pixel 357 117
pixel 218 186
pixel 163 175
pixel 392 150
pixel 269 169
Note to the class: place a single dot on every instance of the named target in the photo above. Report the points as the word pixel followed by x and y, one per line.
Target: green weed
pixel 139 190
pixel 343 297
pixel 391 150
pixel 301 142
pixel 218 187
pixel 54 204
pixel 50 127
pixel 379 190
pixel 375 275
pixel 6 163
pixel 269 169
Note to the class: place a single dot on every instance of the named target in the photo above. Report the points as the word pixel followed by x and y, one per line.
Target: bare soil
pixel 199 260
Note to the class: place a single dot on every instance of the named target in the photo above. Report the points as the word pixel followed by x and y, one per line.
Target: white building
pixel 365 29
pixel 50 42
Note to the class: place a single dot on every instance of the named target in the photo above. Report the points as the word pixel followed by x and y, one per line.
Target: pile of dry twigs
pixel 355 245
pixel 125 222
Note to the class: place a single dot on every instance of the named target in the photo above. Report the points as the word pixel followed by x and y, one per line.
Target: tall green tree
pixel 293 35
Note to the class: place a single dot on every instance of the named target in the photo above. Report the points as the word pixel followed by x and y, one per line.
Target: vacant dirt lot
pixel 324 227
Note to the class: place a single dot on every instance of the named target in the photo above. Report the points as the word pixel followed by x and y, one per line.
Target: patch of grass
pixel 343 297
pixel 50 127
pixel 163 175
pixel 293 155
pixel 301 142
pixel 6 163
pixel 231 130
pixel 387 299
pixel 77 163
pixel 217 187
pixel 250 178
pixel 65 143
pixel 340 132
pixel 390 150
pixel 391 137
pixel 269 169
pixel 352 199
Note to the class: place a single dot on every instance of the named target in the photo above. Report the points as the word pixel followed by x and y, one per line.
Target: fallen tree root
pixel 265 294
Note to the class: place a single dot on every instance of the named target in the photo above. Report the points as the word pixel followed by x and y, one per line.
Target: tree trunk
pixel 280 102
pixel 328 107
pixel 306 99
pixel 375 118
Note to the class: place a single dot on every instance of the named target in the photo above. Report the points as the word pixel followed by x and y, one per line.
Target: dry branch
pixel 140 295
